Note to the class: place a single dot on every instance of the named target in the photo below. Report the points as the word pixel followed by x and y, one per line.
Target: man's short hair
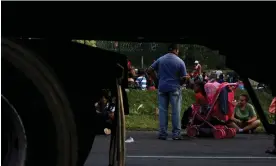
pixel 245 96
pixel 173 46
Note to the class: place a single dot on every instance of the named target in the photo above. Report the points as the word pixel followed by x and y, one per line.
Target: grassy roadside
pixel 143 104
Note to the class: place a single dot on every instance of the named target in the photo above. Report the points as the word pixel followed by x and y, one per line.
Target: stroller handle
pixel 232 84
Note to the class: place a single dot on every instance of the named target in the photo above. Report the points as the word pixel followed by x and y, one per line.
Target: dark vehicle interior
pixel 246 36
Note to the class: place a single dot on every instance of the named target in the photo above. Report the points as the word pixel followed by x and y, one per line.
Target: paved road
pixel 244 150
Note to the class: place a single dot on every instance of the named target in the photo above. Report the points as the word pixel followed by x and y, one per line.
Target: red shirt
pixel 129 65
pixel 200 99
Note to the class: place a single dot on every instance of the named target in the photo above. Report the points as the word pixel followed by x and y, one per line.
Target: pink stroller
pixel 212 117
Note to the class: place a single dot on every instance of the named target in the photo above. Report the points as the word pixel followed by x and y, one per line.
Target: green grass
pixel 143 104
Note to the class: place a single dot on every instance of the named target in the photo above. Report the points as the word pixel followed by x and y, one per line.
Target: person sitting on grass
pixel 141 81
pixel 244 118
pixel 131 82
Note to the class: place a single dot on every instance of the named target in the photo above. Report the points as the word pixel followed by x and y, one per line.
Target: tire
pixel 13 134
pixel 117 141
pixel 33 89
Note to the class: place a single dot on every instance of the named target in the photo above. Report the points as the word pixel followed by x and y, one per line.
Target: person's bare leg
pixel 234 125
pixel 252 125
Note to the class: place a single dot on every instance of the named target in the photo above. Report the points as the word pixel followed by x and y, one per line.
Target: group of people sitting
pixel 244 118
pixel 139 79
pixel 198 74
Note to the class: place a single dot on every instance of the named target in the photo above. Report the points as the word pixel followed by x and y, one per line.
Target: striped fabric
pixel 142 82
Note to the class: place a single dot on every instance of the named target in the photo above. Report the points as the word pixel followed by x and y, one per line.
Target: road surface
pixel 244 150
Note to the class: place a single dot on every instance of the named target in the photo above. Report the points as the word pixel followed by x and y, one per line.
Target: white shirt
pixel 218 73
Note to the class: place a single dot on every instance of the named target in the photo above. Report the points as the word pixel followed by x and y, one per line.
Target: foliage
pixel 210 58
pixel 145 102
pixel 151 51
pixel 91 43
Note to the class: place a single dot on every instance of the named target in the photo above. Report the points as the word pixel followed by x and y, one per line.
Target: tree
pixel 151 51
pixel 91 43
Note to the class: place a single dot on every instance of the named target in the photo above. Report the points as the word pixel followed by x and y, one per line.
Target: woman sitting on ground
pixel 201 99
pixel 244 118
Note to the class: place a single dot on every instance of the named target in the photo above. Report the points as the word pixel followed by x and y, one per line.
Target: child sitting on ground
pixel 201 99
pixel 105 109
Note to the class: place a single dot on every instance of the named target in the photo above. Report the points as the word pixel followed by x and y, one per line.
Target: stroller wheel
pixel 192 131
pixel 219 133
pixel 220 127
pixel 230 132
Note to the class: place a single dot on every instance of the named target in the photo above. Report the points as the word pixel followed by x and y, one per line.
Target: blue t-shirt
pixel 170 68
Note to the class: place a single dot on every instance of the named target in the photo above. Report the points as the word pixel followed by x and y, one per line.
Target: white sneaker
pixel 129 140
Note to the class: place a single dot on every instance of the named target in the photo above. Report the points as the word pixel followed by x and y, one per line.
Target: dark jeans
pixel 101 123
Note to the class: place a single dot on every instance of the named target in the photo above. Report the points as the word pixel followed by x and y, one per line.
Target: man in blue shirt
pixel 171 72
